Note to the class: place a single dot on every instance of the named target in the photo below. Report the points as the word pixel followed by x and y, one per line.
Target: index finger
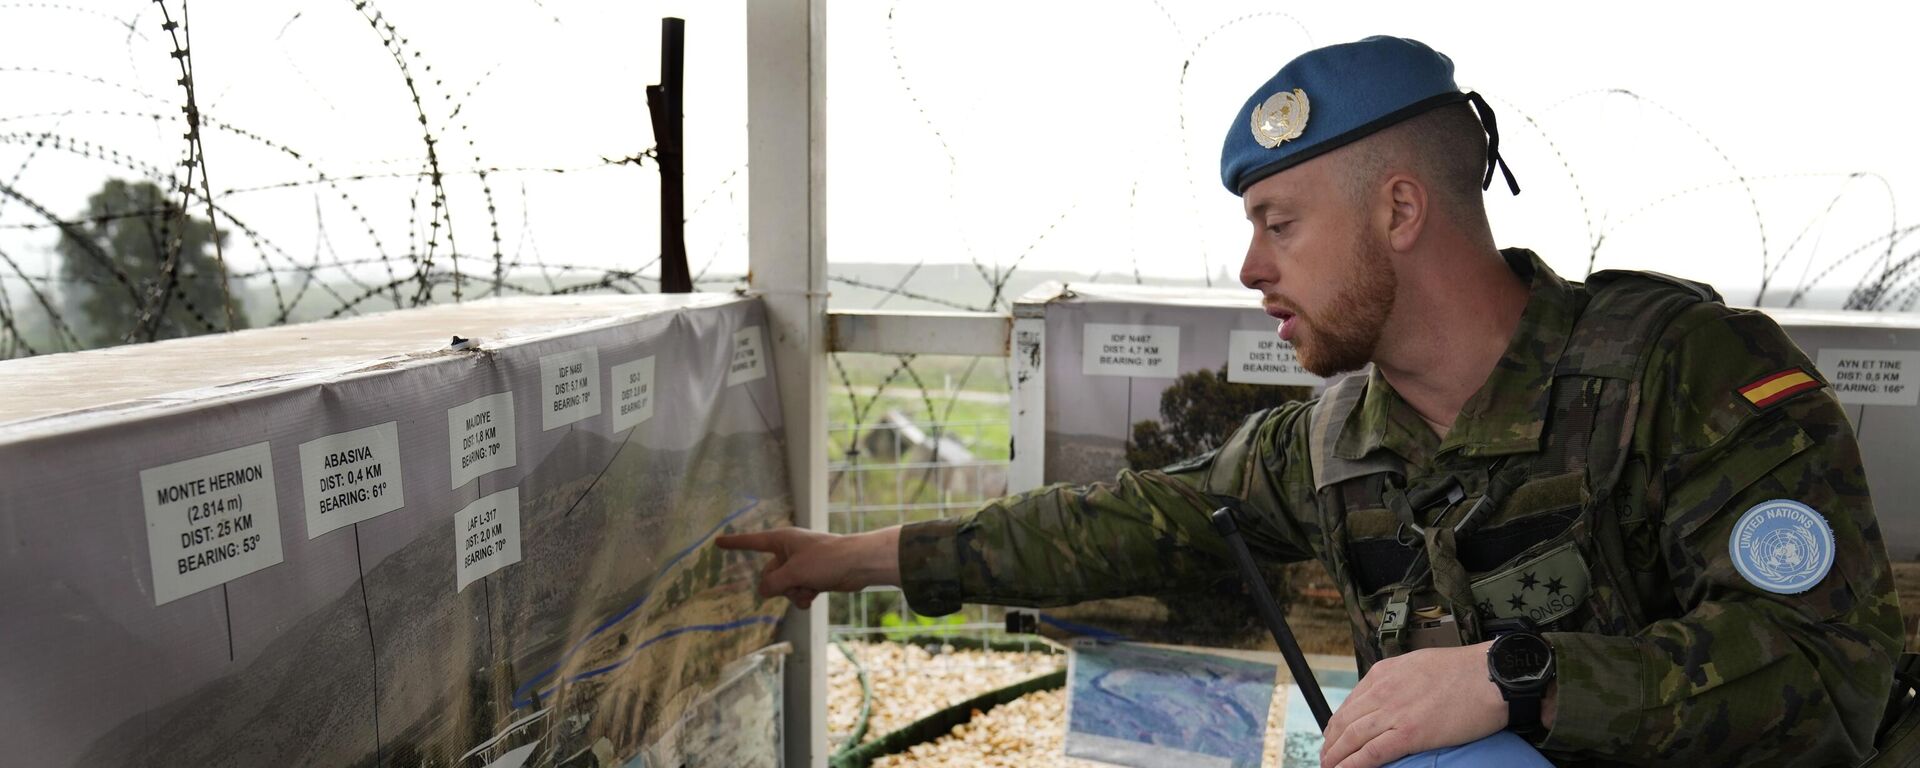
pixel 759 541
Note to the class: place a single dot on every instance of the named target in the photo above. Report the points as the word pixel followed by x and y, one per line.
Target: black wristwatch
pixel 1520 662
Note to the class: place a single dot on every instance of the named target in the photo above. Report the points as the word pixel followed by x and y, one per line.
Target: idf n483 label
pixel 1261 357
pixel 569 387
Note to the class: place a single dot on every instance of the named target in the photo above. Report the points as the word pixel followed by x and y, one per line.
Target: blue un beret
pixel 1333 96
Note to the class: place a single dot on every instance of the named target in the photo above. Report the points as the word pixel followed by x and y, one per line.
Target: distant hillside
pixel 854 285
pixel 865 286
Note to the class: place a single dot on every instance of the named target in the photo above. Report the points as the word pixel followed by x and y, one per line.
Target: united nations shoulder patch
pixel 1782 546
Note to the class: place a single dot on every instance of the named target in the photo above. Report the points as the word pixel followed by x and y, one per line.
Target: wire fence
pixel 912 439
pixel 181 190
pixel 405 171
pixel 915 438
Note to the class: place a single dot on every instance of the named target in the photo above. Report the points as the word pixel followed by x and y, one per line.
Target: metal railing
pixel 908 443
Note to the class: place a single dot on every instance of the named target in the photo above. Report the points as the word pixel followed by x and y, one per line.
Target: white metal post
pixel 786 242
pixel 1028 373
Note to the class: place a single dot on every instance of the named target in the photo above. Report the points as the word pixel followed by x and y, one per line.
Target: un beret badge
pixel 1280 118
pixel 1782 546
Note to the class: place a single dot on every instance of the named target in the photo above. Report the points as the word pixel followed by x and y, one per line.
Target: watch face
pixel 1521 658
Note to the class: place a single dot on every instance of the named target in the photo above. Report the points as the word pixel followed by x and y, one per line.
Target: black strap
pixel 1485 112
pixel 1523 715
pixel 1903 699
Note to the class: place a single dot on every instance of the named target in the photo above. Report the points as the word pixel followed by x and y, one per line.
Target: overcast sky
pixel 1699 139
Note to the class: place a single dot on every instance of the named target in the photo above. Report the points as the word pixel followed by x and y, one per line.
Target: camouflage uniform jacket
pixel 1673 657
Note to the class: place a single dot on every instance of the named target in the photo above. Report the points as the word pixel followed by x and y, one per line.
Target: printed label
pixel 569 387
pixel 1130 350
pixel 632 393
pixel 1871 376
pixel 1261 357
pixel 486 536
pixel 351 476
pixel 480 437
pixel 749 357
pixel 210 520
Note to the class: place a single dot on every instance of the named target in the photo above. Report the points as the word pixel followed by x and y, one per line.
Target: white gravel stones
pixel 910 683
pixel 1028 732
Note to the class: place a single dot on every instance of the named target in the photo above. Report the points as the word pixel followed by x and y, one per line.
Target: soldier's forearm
pixel 1655 693
pixel 874 556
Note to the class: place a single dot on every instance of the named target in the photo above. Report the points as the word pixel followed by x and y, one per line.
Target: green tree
pixel 121 284
pixel 1197 414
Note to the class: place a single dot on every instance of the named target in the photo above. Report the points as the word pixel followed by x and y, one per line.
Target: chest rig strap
pixel 1613 338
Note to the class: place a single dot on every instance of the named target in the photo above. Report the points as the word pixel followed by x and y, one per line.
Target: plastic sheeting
pixel 346 543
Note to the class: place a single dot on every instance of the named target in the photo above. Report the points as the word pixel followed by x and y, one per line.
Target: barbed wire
pixel 320 175
pixel 65 8
pixel 433 259
pixel 939 137
pixel 59 324
pixel 442 213
pixel 1180 102
pixel 340 273
pixel 181 36
pixel 97 80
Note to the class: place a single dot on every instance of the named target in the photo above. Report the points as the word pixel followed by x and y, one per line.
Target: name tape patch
pixel 1782 546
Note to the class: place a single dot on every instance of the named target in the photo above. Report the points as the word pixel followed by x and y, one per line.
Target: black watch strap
pixel 1524 695
pixel 1523 714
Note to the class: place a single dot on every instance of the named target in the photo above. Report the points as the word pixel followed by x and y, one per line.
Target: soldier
pixel 1618 519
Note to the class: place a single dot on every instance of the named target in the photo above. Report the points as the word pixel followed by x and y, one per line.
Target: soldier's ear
pixel 1407 211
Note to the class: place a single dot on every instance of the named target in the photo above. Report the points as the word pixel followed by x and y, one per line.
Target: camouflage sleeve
pixel 1744 675
pixel 1144 533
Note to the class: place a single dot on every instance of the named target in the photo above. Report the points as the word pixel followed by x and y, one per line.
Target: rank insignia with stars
pixel 1543 588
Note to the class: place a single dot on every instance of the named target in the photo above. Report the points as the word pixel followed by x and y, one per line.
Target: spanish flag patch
pixel 1773 388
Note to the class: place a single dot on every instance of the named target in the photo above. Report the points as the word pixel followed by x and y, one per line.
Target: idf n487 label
pixel 1130 350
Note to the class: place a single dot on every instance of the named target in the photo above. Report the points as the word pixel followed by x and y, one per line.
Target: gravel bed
pixel 910 683
pixel 1029 732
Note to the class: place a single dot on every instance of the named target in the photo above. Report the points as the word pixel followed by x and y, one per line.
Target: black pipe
pixel 1303 678
pixel 666 105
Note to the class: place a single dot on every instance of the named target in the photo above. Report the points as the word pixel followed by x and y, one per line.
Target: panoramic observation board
pixel 358 542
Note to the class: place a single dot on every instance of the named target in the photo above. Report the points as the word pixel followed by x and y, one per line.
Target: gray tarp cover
pixel 418 611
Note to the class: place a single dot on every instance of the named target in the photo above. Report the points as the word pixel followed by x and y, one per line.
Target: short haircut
pixel 1445 147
